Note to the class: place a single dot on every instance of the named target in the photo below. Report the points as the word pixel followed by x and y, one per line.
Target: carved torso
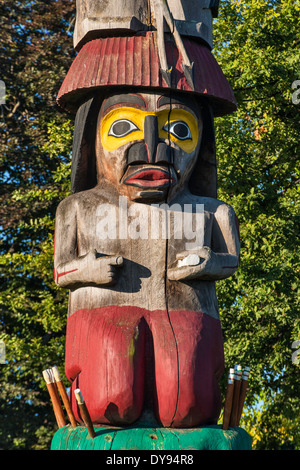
pixel 142 280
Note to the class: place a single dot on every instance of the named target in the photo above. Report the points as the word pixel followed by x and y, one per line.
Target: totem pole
pixel 142 238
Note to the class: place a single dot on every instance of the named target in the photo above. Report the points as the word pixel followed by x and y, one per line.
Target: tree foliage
pixel 257 46
pixel 35 139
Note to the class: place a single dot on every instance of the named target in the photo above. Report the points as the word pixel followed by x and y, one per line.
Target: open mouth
pixel 149 177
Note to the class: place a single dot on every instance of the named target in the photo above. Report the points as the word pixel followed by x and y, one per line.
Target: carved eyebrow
pixel 169 100
pixel 124 99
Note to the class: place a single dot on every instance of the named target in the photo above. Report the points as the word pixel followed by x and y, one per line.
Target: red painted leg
pixel 187 368
pixel 105 354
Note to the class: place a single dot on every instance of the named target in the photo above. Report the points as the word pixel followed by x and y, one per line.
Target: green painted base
pixel 151 438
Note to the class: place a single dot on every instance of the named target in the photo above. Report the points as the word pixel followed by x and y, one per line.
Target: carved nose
pixel 151 150
pixel 157 152
pixel 151 136
pixel 164 153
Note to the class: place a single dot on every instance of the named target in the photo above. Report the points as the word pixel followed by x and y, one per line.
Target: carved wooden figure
pixel 142 239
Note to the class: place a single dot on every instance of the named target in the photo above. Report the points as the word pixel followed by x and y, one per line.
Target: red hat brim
pixel 134 62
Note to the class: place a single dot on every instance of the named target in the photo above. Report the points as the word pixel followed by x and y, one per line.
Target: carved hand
pixel 92 268
pixel 107 269
pixel 202 263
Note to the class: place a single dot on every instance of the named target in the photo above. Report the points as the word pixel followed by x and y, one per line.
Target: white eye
pixel 178 129
pixel 122 127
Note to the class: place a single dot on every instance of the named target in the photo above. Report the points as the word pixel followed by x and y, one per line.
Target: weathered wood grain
pixel 99 18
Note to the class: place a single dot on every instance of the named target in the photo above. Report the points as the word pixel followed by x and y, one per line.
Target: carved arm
pixel 216 262
pixel 71 270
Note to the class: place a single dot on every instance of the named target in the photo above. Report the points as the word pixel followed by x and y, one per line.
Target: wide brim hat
pixel 110 63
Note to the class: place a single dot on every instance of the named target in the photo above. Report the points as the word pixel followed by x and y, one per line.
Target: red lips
pixel 150 177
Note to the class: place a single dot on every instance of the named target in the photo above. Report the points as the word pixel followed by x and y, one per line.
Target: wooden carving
pixel 142 238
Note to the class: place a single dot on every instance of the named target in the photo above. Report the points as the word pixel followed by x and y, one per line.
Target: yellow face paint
pixel 123 125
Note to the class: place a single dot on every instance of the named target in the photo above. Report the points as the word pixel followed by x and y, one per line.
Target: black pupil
pixel 121 128
pixel 180 130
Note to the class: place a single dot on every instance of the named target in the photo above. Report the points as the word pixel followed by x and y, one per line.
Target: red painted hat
pixel 133 61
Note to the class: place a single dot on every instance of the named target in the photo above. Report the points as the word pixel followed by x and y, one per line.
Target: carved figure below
pixel 142 239
pixel 143 328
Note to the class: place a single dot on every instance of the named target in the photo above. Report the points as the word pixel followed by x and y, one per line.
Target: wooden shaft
pixel 243 393
pixel 52 389
pixel 64 396
pixel 84 413
pixel 236 396
pixel 228 400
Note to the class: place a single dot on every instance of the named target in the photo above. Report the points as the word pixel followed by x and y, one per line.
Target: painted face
pixel 147 144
